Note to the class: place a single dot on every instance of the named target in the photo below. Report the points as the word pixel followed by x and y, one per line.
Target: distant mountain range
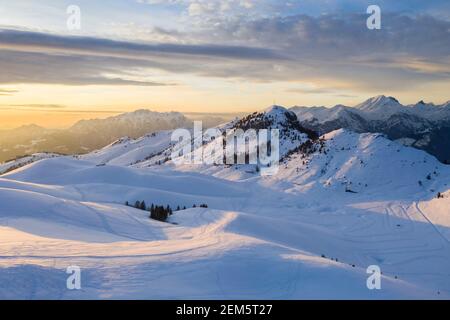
pixel 423 125
pixel 89 135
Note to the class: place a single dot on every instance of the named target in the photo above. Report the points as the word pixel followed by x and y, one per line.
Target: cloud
pixel 320 91
pixel 32 57
pixel 310 90
pixel 36 67
pixel 407 52
pixel 342 36
pixel 340 48
pixel 35 106
pixel 206 7
pixel 27 40
pixel 7 92
pixel 215 7
pixel 55 108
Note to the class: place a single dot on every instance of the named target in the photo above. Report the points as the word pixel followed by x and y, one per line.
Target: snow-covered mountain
pixel 133 124
pixel 338 204
pixel 423 125
pixel 87 135
pixel 291 135
pixel 380 107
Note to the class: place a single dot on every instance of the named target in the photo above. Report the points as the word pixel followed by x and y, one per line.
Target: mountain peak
pixel 280 114
pixel 148 113
pixel 380 104
pixel 29 128
pixel 141 111
pixel 276 109
pixel 381 99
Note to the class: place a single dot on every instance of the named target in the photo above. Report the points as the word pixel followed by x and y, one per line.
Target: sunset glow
pixel 205 56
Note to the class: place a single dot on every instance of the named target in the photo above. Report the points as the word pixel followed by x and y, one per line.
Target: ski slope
pixel 308 232
pixel 207 254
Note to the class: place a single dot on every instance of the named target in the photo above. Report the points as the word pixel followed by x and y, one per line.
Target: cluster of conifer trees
pixel 159 213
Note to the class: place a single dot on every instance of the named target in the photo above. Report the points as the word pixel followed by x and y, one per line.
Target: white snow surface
pixel 127 151
pixel 22 161
pixel 309 232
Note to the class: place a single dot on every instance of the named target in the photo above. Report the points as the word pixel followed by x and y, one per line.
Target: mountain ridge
pixel 425 126
pixel 89 135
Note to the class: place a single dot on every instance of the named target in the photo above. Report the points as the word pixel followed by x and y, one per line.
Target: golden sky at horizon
pixel 56 106
pixel 163 56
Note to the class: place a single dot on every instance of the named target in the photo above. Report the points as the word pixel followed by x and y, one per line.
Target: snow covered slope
pixel 366 163
pixel 291 135
pixel 22 161
pixel 339 204
pixel 253 242
pixel 423 125
pixel 128 151
pixel 124 151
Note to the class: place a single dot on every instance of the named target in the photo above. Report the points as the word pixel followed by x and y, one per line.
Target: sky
pixel 210 56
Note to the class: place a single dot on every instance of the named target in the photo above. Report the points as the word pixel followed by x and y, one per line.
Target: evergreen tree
pixel 160 213
pixel 152 208
pixel 143 206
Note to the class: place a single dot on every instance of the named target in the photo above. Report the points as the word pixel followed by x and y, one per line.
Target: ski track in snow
pixel 260 239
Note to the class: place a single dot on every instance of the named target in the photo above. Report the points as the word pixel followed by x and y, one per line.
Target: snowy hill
pixel 366 164
pixel 423 125
pixel 127 151
pixel 76 216
pixel 23 161
pixel 291 135
pixel 338 204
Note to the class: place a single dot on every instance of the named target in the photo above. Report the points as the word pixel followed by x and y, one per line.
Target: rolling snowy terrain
pixel 338 204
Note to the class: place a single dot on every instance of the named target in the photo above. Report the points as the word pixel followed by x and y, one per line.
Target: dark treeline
pixel 158 212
